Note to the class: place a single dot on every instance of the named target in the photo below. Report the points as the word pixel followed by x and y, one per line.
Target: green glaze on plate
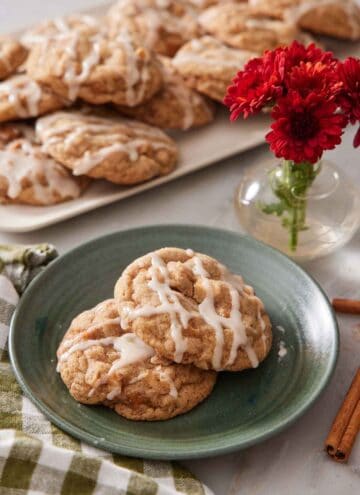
pixel 245 408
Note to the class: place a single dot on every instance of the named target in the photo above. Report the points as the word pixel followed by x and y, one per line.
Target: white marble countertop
pixel 293 462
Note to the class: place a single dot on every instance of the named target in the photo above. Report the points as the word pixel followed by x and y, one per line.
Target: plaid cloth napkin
pixel 36 458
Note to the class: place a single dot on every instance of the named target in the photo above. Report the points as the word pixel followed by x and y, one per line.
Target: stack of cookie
pixel 161 62
pixel 154 351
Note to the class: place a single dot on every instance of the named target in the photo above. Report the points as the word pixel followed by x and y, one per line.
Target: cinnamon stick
pixel 341 426
pixel 346 306
pixel 348 440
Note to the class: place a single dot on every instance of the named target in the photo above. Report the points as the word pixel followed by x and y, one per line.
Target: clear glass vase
pixel 318 218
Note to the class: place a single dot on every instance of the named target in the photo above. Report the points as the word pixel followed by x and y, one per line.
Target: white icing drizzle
pixel 219 323
pixel 169 303
pixel 180 317
pixel 164 376
pixel 24 94
pixel 115 133
pixel 188 99
pixel 131 349
pixel 58 28
pixel 25 162
pixel 129 346
pixel 72 78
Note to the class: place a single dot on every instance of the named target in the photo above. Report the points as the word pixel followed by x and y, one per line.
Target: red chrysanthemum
pixel 349 99
pixel 304 127
pixel 258 84
pixel 315 77
pixel 297 53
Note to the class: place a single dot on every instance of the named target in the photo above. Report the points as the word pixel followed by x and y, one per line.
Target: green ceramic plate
pixel 244 408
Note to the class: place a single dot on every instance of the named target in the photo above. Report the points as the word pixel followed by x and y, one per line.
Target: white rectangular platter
pixel 199 148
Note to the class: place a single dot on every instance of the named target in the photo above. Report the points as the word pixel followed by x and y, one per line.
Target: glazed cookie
pixel 12 55
pixel 59 28
pixel 21 98
pixel 28 175
pixel 160 25
pixel 121 151
pixel 236 25
pixel 101 364
pixel 95 68
pixel 190 309
pixel 175 106
pixel 208 65
pixel 337 18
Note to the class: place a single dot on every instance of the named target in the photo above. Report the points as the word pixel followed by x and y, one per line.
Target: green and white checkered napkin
pixel 36 458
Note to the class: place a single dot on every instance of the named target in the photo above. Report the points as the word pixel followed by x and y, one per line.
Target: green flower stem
pixel 290 184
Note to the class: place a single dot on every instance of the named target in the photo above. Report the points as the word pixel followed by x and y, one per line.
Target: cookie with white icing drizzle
pixel 119 150
pixel 12 55
pixel 208 65
pixel 28 175
pixel 102 364
pixel 175 106
pixel 336 18
pixel 95 68
pixel 22 98
pixel 238 26
pixel 161 25
pixel 191 309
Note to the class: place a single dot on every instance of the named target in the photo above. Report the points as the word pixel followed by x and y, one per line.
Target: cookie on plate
pixel 208 65
pixel 175 106
pixel 12 55
pixel 190 309
pixel 102 364
pixel 22 98
pixel 160 25
pixel 59 28
pixel 95 68
pixel 28 175
pixel 236 25
pixel 336 18
pixel 120 150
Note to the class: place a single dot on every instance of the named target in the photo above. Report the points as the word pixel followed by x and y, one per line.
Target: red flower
pixel 304 127
pixel 297 53
pixel 349 100
pixel 257 85
pixel 317 77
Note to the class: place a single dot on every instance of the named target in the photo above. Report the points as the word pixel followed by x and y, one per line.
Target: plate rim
pixel 163 453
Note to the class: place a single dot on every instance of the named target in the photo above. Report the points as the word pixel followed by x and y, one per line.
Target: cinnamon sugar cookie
pixel 160 25
pixel 190 309
pixel 28 175
pixel 21 98
pixel 208 65
pixel 12 55
pixel 102 364
pixel 121 151
pixel 95 68
pixel 175 106
pixel 337 18
pixel 236 25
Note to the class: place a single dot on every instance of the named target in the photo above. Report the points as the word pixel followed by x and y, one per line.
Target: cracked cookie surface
pixel 102 364
pixel 28 175
pixel 175 106
pixel 119 150
pixel 191 309
pixel 208 65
